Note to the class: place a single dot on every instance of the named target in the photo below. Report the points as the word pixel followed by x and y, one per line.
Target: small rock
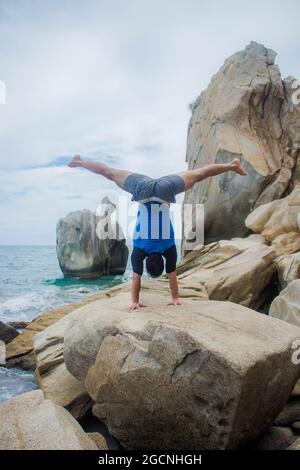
pixel 84 290
pixel 288 269
pixel 20 325
pixel 25 362
pixel 295 445
pixel 7 333
pixel 296 390
pixel 296 425
pixel 277 217
pixel 289 414
pixel 275 438
pixel 286 243
pixel 286 306
pixel 98 439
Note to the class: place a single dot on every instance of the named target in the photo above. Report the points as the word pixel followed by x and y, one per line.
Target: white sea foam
pixel 27 306
pixel 30 305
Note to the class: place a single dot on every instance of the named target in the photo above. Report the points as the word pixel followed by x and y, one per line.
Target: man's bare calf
pixel 191 177
pixel 112 174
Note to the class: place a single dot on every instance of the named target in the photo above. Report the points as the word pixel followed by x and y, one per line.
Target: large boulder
pixel 277 217
pixel 48 345
pixel 90 245
pixel 245 112
pixel 206 375
pixel 7 332
pixel 239 270
pixel 286 305
pixel 29 422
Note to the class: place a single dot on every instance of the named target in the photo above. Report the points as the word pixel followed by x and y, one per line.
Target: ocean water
pixel 30 283
pixel 15 382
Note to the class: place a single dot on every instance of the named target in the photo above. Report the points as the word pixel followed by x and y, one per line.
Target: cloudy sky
pixel 111 80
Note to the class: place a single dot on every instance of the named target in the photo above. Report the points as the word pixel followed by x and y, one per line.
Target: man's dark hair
pixel 155 264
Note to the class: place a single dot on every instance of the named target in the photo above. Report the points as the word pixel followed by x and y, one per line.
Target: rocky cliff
pixel 247 112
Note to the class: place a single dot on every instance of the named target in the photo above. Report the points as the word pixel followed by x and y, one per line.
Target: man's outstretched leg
pixel 191 177
pixel 118 176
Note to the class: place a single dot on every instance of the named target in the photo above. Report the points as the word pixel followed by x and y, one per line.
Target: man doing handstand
pixel 152 194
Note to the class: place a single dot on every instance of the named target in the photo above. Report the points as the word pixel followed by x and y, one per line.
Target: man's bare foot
pixel 75 161
pixel 237 167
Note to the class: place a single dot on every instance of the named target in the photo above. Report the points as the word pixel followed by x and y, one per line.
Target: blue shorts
pixel 143 187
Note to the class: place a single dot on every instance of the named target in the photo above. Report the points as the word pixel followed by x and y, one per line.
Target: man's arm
pixel 137 258
pixel 135 293
pixel 174 289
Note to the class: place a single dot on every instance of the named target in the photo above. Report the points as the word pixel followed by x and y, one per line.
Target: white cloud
pixel 112 80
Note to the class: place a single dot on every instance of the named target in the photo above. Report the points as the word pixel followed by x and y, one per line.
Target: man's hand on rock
pixel 135 306
pixel 176 302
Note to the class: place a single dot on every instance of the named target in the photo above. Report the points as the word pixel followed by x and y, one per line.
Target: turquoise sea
pixel 30 283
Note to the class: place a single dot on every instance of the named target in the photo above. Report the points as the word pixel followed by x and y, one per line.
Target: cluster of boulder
pixel 221 371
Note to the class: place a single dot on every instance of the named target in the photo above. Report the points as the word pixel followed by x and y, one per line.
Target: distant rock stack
pixel 248 112
pixel 84 248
